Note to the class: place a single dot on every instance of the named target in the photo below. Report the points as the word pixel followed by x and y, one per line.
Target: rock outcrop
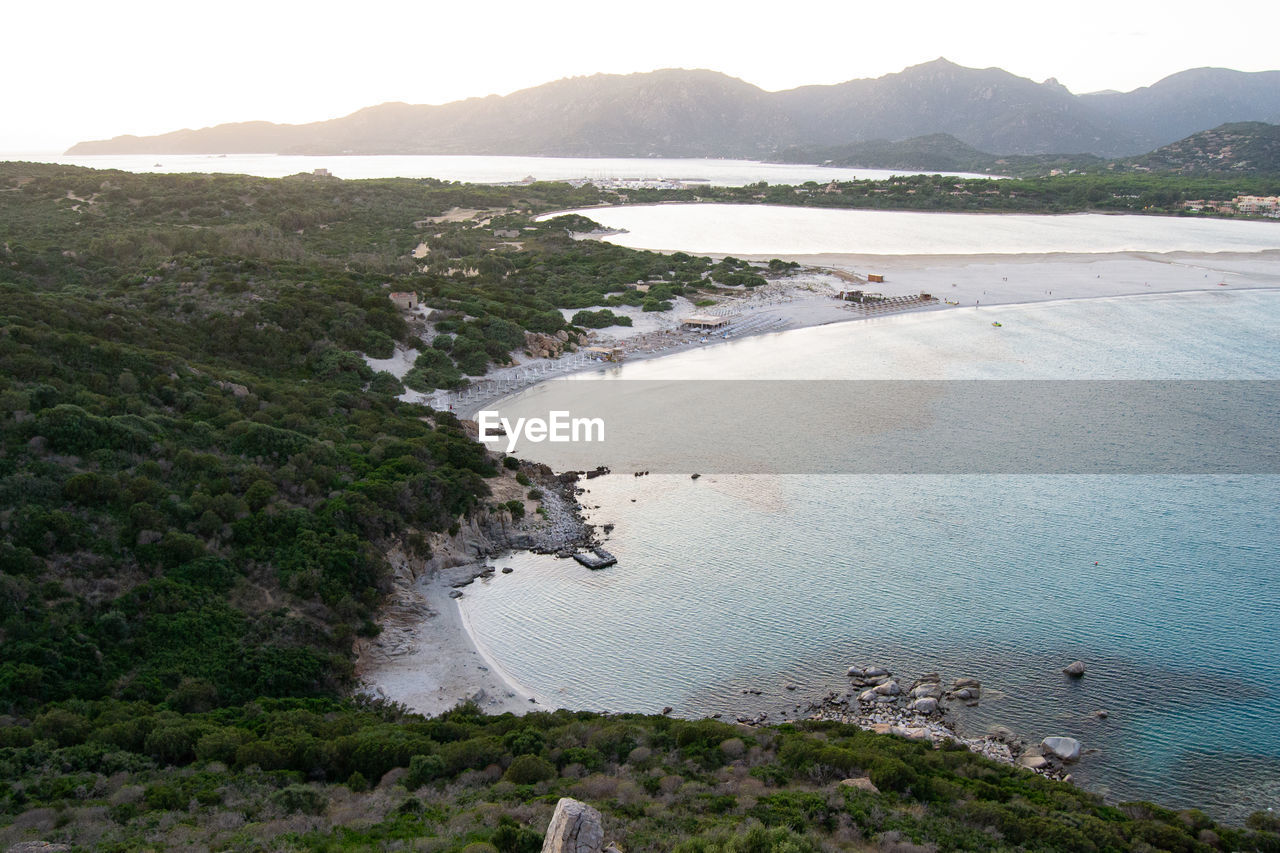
pixel 575 828
pixel 1063 748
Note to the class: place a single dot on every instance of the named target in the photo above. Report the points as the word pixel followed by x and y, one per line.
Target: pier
pixel 596 558
pixel 869 304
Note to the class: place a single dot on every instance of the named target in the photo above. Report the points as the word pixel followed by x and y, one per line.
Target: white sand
pixel 425 657
pixel 1009 279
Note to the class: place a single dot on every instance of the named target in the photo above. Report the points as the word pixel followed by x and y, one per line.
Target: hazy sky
pixel 76 70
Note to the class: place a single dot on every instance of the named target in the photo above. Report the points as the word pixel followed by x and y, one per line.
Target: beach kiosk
pixel 706 322
pixel 606 353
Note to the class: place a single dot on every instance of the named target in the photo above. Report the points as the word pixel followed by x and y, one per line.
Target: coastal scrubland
pixel 200 479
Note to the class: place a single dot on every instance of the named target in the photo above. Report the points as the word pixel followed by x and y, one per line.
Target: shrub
pixel 599 319
pixel 62 727
pixel 164 797
pixel 529 769
pixel 299 799
pixel 174 744
pixel 424 769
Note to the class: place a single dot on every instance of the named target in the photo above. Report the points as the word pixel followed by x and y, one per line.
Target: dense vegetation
pixel 291 774
pixel 1119 193
pixel 201 477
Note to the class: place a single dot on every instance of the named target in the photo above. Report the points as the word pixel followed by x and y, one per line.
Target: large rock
pixel 888 688
pixel 1075 669
pixel 1031 761
pixel 924 705
pixel 927 691
pixel 1062 748
pixel 575 828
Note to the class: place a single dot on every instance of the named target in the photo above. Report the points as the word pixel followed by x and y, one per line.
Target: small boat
pixel 997 324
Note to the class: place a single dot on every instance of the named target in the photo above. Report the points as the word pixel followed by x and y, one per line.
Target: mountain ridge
pixel 704 113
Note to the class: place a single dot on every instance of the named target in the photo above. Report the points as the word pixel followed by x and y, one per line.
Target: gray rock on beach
pixel 929 690
pixel 1075 669
pixel 925 705
pixel 1063 748
pixel 888 688
pixel 1031 761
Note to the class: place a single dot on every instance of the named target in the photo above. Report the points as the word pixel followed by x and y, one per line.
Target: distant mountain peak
pixel 680 112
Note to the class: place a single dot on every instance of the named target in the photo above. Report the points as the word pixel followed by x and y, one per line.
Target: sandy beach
pixel 807 299
pixel 426 657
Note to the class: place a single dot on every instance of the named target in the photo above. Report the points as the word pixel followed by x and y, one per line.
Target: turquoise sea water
pixel 1165 585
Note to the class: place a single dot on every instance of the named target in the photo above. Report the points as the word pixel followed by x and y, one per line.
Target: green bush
pixel 529 769
pixel 300 799
pixel 599 319
pixel 424 769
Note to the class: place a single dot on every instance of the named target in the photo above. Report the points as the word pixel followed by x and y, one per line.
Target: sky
pixel 76 70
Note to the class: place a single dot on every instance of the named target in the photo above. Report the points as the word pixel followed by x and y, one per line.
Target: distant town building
pixel 405 301
pixel 322 173
pixel 1258 205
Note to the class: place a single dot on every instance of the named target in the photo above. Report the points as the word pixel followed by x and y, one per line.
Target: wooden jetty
pixel 596 558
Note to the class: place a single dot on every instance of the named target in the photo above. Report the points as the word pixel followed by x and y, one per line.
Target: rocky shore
pixel 424 657
pixel 877 701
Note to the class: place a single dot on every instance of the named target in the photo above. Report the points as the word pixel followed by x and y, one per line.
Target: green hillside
pixel 201 477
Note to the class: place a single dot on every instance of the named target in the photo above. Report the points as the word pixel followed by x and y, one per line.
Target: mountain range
pixel 699 113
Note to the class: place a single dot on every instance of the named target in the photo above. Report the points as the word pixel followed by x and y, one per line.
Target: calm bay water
pixel 472 169
pixel 1165 586
pixel 745 229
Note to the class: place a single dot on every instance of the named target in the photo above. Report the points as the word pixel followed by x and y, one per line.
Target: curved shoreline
pixel 973 281
pixel 1042 278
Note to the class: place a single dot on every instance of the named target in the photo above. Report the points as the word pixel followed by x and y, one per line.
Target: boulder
pixel 455 593
pixel 575 828
pixel 1062 748
pixel 926 691
pixel 965 682
pixel 872 696
pixel 1003 733
pixel 862 783
pixel 910 732
pixel 875 672
pixel 1075 669
pixel 926 705
pixel 1031 761
pixel 888 688
pixel 1101 714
